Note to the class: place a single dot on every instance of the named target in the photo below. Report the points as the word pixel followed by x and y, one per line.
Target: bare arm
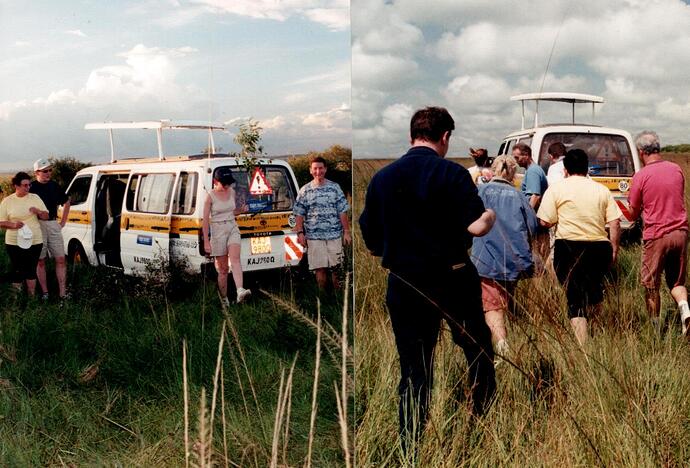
pixel 345 221
pixel 482 225
pixel 205 225
pixel 65 212
pixel 11 224
pixel 534 201
pixel 299 229
pixel 546 224
pixel 40 213
pixel 615 235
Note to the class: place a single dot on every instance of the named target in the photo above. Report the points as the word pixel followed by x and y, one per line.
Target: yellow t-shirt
pixel 14 208
pixel 580 207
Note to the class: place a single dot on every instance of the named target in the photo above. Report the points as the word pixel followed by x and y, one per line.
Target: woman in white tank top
pixel 222 235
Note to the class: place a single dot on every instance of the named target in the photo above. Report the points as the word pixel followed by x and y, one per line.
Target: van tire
pixel 76 255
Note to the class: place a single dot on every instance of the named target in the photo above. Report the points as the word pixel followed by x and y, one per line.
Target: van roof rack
pixel 571 98
pixel 159 126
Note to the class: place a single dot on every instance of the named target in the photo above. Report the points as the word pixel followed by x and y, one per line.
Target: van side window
pixel 185 193
pixel 283 193
pixel 79 190
pixel 153 193
pixel 131 191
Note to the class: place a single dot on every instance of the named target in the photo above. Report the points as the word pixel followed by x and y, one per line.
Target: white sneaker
pixel 685 318
pixel 225 303
pixel 243 295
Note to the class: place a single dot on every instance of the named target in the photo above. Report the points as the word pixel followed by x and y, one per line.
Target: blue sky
pixel 63 64
pixel 471 56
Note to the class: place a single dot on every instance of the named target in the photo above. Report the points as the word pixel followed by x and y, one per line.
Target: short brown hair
pixel 430 124
pixel 523 148
pixel 556 149
pixel 317 159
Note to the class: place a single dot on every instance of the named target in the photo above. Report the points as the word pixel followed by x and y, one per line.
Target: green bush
pixel 338 166
pixel 65 168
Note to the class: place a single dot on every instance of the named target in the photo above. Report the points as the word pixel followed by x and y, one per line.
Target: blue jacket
pixel 504 253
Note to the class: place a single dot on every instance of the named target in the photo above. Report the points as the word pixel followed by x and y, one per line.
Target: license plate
pixel 259 245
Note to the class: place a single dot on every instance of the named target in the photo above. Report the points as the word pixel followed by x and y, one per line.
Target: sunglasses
pixel 44 170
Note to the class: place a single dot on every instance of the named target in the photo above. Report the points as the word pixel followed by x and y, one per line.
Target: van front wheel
pixel 76 254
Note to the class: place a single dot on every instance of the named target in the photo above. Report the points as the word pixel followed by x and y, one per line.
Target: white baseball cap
pixel 41 164
pixel 25 237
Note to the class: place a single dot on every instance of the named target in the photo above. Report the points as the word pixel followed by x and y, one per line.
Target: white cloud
pixel 334 14
pixel 75 32
pixel 477 54
pixel 21 43
pixel 380 71
pixel 148 75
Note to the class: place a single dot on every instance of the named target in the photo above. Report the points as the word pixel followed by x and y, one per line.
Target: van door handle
pixel 160 228
pixel 189 229
pixel 127 223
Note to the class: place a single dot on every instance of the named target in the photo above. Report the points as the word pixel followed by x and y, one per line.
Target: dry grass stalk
pixel 276 424
pixel 219 361
pixel 342 402
pixel 332 338
pixel 185 390
pixel 202 448
pixel 315 388
pixel 282 408
pixel 222 412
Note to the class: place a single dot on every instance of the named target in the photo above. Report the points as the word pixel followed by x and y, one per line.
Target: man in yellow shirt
pixel 581 209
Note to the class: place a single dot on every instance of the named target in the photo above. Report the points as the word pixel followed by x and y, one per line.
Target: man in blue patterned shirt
pixel 322 224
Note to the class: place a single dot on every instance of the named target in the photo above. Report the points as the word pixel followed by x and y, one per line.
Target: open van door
pixel 146 218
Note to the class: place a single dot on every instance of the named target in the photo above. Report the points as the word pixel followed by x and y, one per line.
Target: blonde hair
pixel 504 167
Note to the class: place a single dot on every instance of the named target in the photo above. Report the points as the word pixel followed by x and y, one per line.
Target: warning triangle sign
pixel 259 184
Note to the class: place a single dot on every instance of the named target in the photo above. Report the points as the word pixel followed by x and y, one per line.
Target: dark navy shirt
pixel 417 211
pixel 51 194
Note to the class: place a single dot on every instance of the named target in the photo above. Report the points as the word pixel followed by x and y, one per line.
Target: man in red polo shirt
pixel 657 192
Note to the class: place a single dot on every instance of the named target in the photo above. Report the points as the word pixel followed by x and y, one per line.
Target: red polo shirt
pixel 659 190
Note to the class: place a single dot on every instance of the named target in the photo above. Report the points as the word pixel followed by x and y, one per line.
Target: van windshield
pixel 273 192
pixel 609 155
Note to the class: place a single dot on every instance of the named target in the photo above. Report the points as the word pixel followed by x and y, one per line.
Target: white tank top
pixel 222 211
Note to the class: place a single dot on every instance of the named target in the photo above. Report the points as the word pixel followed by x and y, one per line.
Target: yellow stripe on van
pixel 180 225
pixel 621 184
pixel 76 216
pixel 145 222
pixel 263 222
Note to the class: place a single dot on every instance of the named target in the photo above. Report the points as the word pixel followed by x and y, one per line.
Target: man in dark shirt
pixel 420 214
pixel 53 196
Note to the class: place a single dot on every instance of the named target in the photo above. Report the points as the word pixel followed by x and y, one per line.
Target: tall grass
pixel 621 400
pixel 131 409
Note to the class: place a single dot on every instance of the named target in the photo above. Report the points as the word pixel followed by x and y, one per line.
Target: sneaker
pixel 243 295
pixel 45 297
pixel 66 297
pixel 685 319
pixel 225 303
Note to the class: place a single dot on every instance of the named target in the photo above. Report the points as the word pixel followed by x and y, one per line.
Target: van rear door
pixel 146 219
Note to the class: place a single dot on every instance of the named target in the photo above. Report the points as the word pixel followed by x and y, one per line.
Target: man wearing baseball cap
pixel 52 196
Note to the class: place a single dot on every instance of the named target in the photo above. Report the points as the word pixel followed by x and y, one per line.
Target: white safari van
pixel 613 158
pixel 132 212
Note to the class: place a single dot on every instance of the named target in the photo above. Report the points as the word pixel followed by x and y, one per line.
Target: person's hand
pixel 62 223
pixel 207 246
pixel 34 210
pixel 301 239
pixel 18 225
pixel 347 238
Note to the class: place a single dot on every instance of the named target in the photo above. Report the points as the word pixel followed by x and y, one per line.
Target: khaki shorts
pixel 52 239
pixel 324 253
pixel 222 236
pixel 668 254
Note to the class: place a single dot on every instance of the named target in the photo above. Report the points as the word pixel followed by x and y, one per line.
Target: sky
pixel 64 64
pixel 470 56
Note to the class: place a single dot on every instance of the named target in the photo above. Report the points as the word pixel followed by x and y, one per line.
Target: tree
pixel 338 166
pixel 65 168
pixel 249 138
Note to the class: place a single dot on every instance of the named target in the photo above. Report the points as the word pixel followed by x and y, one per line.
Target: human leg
pixel 221 263
pixel 461 304
pixel 416 324
pixel 321 277
pixel 30 259
pixel 61 273
pixel 237 275
pixel 41 275
pixel 675 269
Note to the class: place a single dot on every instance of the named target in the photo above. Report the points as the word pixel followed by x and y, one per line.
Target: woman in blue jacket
pixel 503 255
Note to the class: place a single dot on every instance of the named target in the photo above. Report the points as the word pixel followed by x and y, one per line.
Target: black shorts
pixel 23 262
pixel 580 267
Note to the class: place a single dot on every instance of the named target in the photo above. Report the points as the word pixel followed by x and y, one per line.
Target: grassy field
pixel 99 380
pixel 622 400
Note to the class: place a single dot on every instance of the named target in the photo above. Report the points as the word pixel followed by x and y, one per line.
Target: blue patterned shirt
pixel 321 207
